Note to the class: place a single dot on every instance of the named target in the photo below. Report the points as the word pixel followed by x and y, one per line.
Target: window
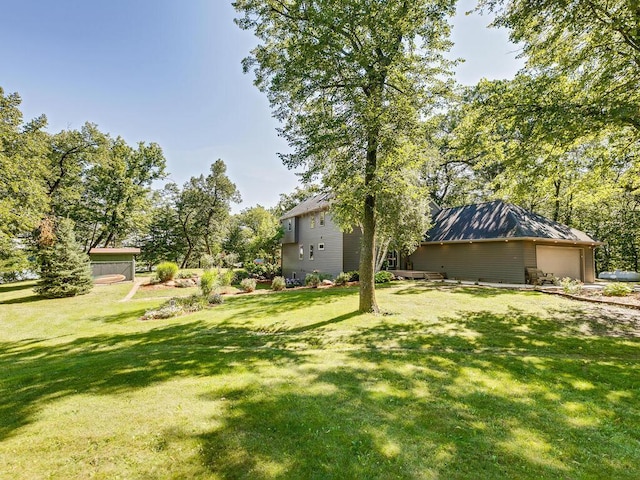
pixel 321 246
pixel 293 275
pixel 313 221
pixel 289 225
pixel 322 219
pixel 392 259
pixel 310 252
pixel 301 253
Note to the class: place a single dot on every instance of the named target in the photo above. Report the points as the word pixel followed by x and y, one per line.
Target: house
pixel 312 242
pixel 490 242
pixel 114 261
pixel 497 241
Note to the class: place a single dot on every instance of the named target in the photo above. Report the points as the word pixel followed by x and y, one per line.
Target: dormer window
pixel 289 225
pixel 312 222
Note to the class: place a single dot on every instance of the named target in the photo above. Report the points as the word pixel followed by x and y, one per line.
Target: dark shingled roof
pixel 313 204
pixel 497 220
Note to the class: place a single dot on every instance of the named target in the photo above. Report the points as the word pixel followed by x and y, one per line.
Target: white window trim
pixel 301 252
pixel 311 253
pixel 321 246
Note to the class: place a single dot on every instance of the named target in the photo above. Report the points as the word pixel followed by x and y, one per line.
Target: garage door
pixel 561 261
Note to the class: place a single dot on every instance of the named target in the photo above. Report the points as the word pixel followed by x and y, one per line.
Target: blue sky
pixel 168 71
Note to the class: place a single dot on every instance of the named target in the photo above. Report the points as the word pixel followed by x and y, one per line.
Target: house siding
pixel 351 253
pixel 500 262
pixel 327 261
pixel 290 236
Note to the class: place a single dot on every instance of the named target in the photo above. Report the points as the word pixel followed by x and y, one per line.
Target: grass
pixel 451 382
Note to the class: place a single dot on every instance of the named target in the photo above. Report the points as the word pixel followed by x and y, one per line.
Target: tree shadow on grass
pixel 107 364
pixel 27 299
pixel 474 291
pixel 288 301
pixel 13 287
pixel 523 410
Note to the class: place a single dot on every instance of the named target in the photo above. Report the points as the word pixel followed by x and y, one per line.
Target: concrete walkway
pixel 134 289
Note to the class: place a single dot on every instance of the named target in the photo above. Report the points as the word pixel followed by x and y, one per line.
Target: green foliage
pixel 240 275
pixel 209 280
pixel 383 277
pixel 226 277
pixel 248 284
pixel 216 299
pixel 23 199
pixel 177 306
pixel 278 283
pixel 571 286
pixel 63 269
pixel 617 290
pixel 312 280
pixel 166 271
pixel 354 276
pixel 342 278
pixel 266 270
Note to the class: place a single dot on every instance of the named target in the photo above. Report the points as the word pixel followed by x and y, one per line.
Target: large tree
pixel 592 46
pixel 351 80
pixel 23 199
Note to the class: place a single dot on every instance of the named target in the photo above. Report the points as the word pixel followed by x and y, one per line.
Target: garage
pixel 561 261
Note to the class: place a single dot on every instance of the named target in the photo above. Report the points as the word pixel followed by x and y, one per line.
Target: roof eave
pixel 591 243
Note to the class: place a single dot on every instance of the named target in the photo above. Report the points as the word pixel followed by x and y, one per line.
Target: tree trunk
pixel 367 271
pixel 368 246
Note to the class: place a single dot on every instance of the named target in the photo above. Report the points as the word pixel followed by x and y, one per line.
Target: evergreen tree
pixel 64 270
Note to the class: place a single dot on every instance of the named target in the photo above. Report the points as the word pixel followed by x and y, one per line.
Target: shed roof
pixel 498 220
pixel 313 204
pixel 115 251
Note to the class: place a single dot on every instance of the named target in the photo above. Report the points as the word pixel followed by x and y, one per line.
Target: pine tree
pixel 64 270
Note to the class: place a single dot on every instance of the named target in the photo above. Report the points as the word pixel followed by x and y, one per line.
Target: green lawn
pixel 450 382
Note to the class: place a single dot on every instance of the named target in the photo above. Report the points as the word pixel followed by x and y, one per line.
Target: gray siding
pixel 327 261
pixel 289 235
pixel 351 253
pixel 500 262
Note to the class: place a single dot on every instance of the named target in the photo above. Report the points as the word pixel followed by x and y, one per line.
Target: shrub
pixel 571 286
pixel 342 278
pixel 354 276
pixel 248 284
pixel 208 281
pixel 167 271
pixel 383 277
pixel 617 290
pixel 312 280
pixel 227 277
pixel 266 270
pixel 216 299
pixel 176 306
pixel 278 283
pixel 293 282
pixel 240 275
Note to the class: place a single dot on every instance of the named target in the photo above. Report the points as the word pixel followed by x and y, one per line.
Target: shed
pixel 114 261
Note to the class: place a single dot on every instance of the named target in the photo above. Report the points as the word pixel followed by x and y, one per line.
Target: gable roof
pixel 313 204
pixel 498 220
